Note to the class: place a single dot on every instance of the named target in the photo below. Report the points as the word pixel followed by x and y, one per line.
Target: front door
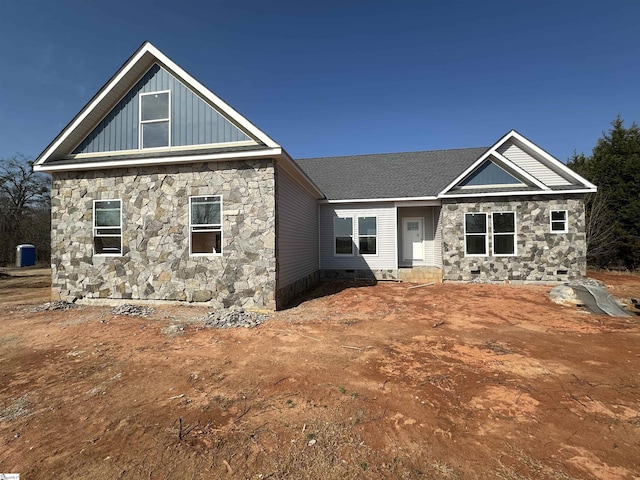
pixel 412 237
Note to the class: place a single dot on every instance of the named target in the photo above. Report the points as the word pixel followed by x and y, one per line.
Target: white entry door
pixel 412 238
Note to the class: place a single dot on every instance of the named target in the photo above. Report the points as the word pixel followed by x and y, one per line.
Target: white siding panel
pixel 532 165
pixel 437 239
pixel 297 230
pixel 386 257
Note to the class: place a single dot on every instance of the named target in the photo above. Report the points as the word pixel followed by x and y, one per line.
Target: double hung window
pixel 367 235
pixel 559 221
pixel 475 234
pixel 155 123
pixel 107 227
pixel 504 233
pixel 205 225
pixel 343 235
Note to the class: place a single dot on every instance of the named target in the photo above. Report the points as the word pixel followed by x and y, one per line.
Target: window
pixel 205 225
pixel 343 235
pixel 475 234
pixel 154 120
pixel 367 235
pixel 107 227
pixel 504 233
pixel 559 221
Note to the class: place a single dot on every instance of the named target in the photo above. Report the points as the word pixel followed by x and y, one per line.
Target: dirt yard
pixel 439 382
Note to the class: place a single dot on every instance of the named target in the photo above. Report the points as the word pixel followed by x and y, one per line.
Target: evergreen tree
pixel 614 166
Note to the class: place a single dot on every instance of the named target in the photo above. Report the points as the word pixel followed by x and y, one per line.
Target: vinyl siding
pixel 532 165
pixel 437 240
pixel 386 257
pixel 431 248
pixel 193 121
pixel 297 230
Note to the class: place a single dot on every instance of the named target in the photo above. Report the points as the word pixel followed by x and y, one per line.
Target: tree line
pixel 25 209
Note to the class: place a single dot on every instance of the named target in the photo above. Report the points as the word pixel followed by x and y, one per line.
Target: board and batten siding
pixel 530 164
pixel 387 256
pixel 297 230
pixel 193 121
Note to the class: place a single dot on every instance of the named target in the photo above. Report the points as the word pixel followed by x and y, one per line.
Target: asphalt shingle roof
pixel 388 175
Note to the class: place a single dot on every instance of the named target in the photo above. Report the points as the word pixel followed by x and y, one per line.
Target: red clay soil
pixel 449 381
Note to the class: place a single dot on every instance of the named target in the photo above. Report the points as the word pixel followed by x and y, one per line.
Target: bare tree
pixel 24 208
pixel 600 228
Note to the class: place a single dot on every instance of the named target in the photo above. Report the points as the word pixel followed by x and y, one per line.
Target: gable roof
pixel 56 155
pixel 389 176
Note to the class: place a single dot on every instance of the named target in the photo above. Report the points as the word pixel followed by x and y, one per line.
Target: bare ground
pixel 441 382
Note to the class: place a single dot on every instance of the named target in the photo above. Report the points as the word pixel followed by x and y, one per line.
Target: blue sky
pixel 340 77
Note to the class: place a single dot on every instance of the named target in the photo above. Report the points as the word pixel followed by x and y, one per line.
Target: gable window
pixel 559 221
pixel 205 225
pixel 343 235
pixel 155 120
pixel 475 234
pixel 107 227
pixel 504 233
pixel 368 235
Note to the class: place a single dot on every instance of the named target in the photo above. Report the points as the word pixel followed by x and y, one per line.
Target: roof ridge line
pixel 393 153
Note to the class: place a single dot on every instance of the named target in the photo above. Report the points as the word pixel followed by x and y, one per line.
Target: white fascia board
pixel 471 168
pixel 509 164
pixel 511 194
pixel 365 200
pixel 217 101
pixel 271 152
pixel 91 106
pixel 550 158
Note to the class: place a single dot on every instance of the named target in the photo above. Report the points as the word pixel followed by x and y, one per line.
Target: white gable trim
pixel 520 193
pixel 148 49
pixel 493 151
pixel 550 158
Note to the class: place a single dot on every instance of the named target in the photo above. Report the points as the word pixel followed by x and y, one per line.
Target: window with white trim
pixel 504 233
pixel 205 225
pixel 155 123
pixel 558 221
pixel 107 227
pixel 368 235
pixel 343 235
pixel 475 234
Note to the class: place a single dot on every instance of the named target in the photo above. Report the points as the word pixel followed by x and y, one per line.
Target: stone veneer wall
pixel 155 264
pixel 540 254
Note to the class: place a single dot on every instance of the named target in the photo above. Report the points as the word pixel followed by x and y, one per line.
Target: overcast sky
pixel 340 77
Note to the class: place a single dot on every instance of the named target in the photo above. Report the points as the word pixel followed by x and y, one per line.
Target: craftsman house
pixel 162 191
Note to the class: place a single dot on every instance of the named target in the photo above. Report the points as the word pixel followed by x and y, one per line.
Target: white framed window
pixel 558 221
pixel 343 236
pixel 205 225
pixel 107 227
pixel 155 119
pixel 475 234
pixel 504 234
pixel 368 235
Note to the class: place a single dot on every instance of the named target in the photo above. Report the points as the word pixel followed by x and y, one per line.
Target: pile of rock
pixel 233 319
pixel 57 305
pixel 132 310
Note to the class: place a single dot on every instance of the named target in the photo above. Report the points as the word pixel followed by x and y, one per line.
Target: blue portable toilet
pixel 25 255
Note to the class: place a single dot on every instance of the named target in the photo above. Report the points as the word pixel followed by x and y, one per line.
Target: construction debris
pixel 132 310
pixel 233 319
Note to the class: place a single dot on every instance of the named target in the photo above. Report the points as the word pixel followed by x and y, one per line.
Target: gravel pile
pixel 57 305
pixel 132 310
pixel 233 319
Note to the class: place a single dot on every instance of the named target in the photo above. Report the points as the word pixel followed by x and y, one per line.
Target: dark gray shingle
pixel 388 175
